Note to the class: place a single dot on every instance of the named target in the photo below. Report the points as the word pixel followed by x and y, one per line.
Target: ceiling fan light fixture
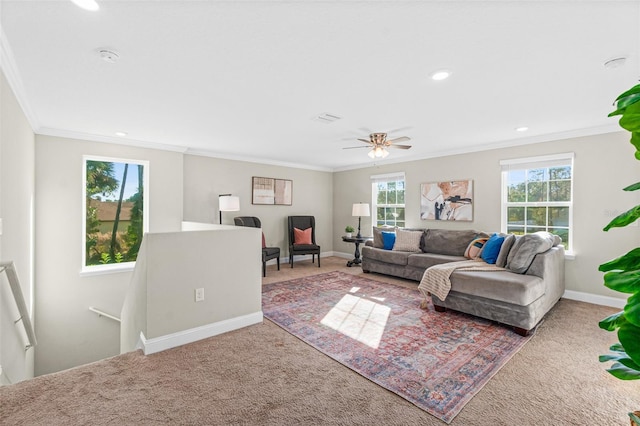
pixel 91 5
pixel 372 153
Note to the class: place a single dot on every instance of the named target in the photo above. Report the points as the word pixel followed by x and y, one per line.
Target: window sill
pixel 569 255
pixel 114 268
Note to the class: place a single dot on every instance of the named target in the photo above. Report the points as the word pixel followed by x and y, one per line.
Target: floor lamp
pixel 360 209
pixel 228 203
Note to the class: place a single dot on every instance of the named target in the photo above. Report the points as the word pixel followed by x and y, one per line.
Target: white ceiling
pixel 245 79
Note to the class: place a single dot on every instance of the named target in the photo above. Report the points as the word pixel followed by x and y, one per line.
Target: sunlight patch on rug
pixel 437 361
pixel 359 318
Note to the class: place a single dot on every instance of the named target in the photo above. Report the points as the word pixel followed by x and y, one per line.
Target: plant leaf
pixel 625 262
pixel 629 336
pixel 612 322
pixel 632 310
pixel 625 99
pixel 630 119
pixel 623 373
pixel 624 282
pixel 617 347
pixel 624 219
pixel 635 89
pixel 635 141
pixel 622 358
pixel 635 186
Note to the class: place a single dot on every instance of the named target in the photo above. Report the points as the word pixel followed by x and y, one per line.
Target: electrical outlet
pixel 199 294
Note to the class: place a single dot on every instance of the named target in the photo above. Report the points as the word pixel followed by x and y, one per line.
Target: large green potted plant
pixel 623 274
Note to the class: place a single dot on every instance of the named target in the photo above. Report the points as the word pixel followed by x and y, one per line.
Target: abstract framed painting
pixel 448 200
pixel 270 191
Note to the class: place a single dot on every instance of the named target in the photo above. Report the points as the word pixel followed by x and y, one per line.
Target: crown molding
pixel 10 69
pixel 549 137
pixel 205 153
pixel 46 131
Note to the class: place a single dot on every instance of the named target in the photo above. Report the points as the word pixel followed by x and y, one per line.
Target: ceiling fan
pixel 378 143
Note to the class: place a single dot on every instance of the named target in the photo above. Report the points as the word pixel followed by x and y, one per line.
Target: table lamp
pixel 360 209
pixel 228 203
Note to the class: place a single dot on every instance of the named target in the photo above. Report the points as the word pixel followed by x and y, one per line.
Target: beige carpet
pixel 262 375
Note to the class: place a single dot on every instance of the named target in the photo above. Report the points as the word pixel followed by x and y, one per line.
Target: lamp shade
pixel 229 203
pixel 360 209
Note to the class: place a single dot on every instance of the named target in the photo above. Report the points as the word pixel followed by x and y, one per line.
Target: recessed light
pixel 109 56
pixel 522 129
pixel 91 5
pixel 121 134
pixel 615 62
pixel 440 75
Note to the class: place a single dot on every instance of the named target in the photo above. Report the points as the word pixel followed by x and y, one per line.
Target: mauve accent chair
pixel 303 222
pixel 268 253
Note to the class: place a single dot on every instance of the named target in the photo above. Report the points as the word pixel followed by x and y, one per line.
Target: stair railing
pixel 14 283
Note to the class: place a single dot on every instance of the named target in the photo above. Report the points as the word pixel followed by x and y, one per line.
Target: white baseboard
pixel 173 340
pixel 596 299
pixel 284 260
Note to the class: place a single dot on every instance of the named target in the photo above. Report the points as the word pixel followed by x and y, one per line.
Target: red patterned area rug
pixel 437 361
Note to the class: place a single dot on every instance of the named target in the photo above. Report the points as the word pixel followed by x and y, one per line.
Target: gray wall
pixel 160 300
pixel 68 333
pixel 205 178
pixel 604 164
pixel 16 208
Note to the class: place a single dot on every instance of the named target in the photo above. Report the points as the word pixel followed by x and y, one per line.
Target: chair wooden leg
pixel 278 260
pixel 318 261
pixel 291 260
pixel 264 269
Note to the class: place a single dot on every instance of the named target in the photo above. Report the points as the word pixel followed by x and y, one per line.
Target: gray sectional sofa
pixel 520 295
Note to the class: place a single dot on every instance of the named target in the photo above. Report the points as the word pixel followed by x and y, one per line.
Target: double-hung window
pixel 388 199
pixel 537 195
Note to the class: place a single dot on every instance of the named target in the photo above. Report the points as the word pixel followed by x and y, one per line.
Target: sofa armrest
pixel 369 243
pixel 550 267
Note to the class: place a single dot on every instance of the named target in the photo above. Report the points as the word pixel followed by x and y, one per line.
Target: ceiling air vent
pixel 326 118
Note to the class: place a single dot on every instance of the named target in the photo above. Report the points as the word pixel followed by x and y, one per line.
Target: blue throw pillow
pixel 491 249
pixel 388 240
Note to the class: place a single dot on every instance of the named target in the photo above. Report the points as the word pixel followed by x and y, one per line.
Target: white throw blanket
pixel 436 278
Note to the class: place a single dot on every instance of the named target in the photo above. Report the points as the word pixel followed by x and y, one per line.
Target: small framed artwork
pixel 271 191
pixel 450 200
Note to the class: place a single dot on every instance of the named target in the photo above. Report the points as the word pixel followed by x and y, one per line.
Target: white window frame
pixel 388 177
pixel 564 159
pixel 111 267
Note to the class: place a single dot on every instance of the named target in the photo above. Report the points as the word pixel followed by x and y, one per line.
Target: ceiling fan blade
pixel 356 147
pixel 400 139
pixel 400 146
pixel 365 141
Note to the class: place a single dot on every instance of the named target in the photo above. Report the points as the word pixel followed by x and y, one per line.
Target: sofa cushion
pixel 474 249
pixel 501 261
pixel 491 248
pixel 407 240
pixel 377 235
pixel 427 260
pixel 388 240
pixel 526 248
pixel 446 241
pixel 386 256
pixel 499 285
